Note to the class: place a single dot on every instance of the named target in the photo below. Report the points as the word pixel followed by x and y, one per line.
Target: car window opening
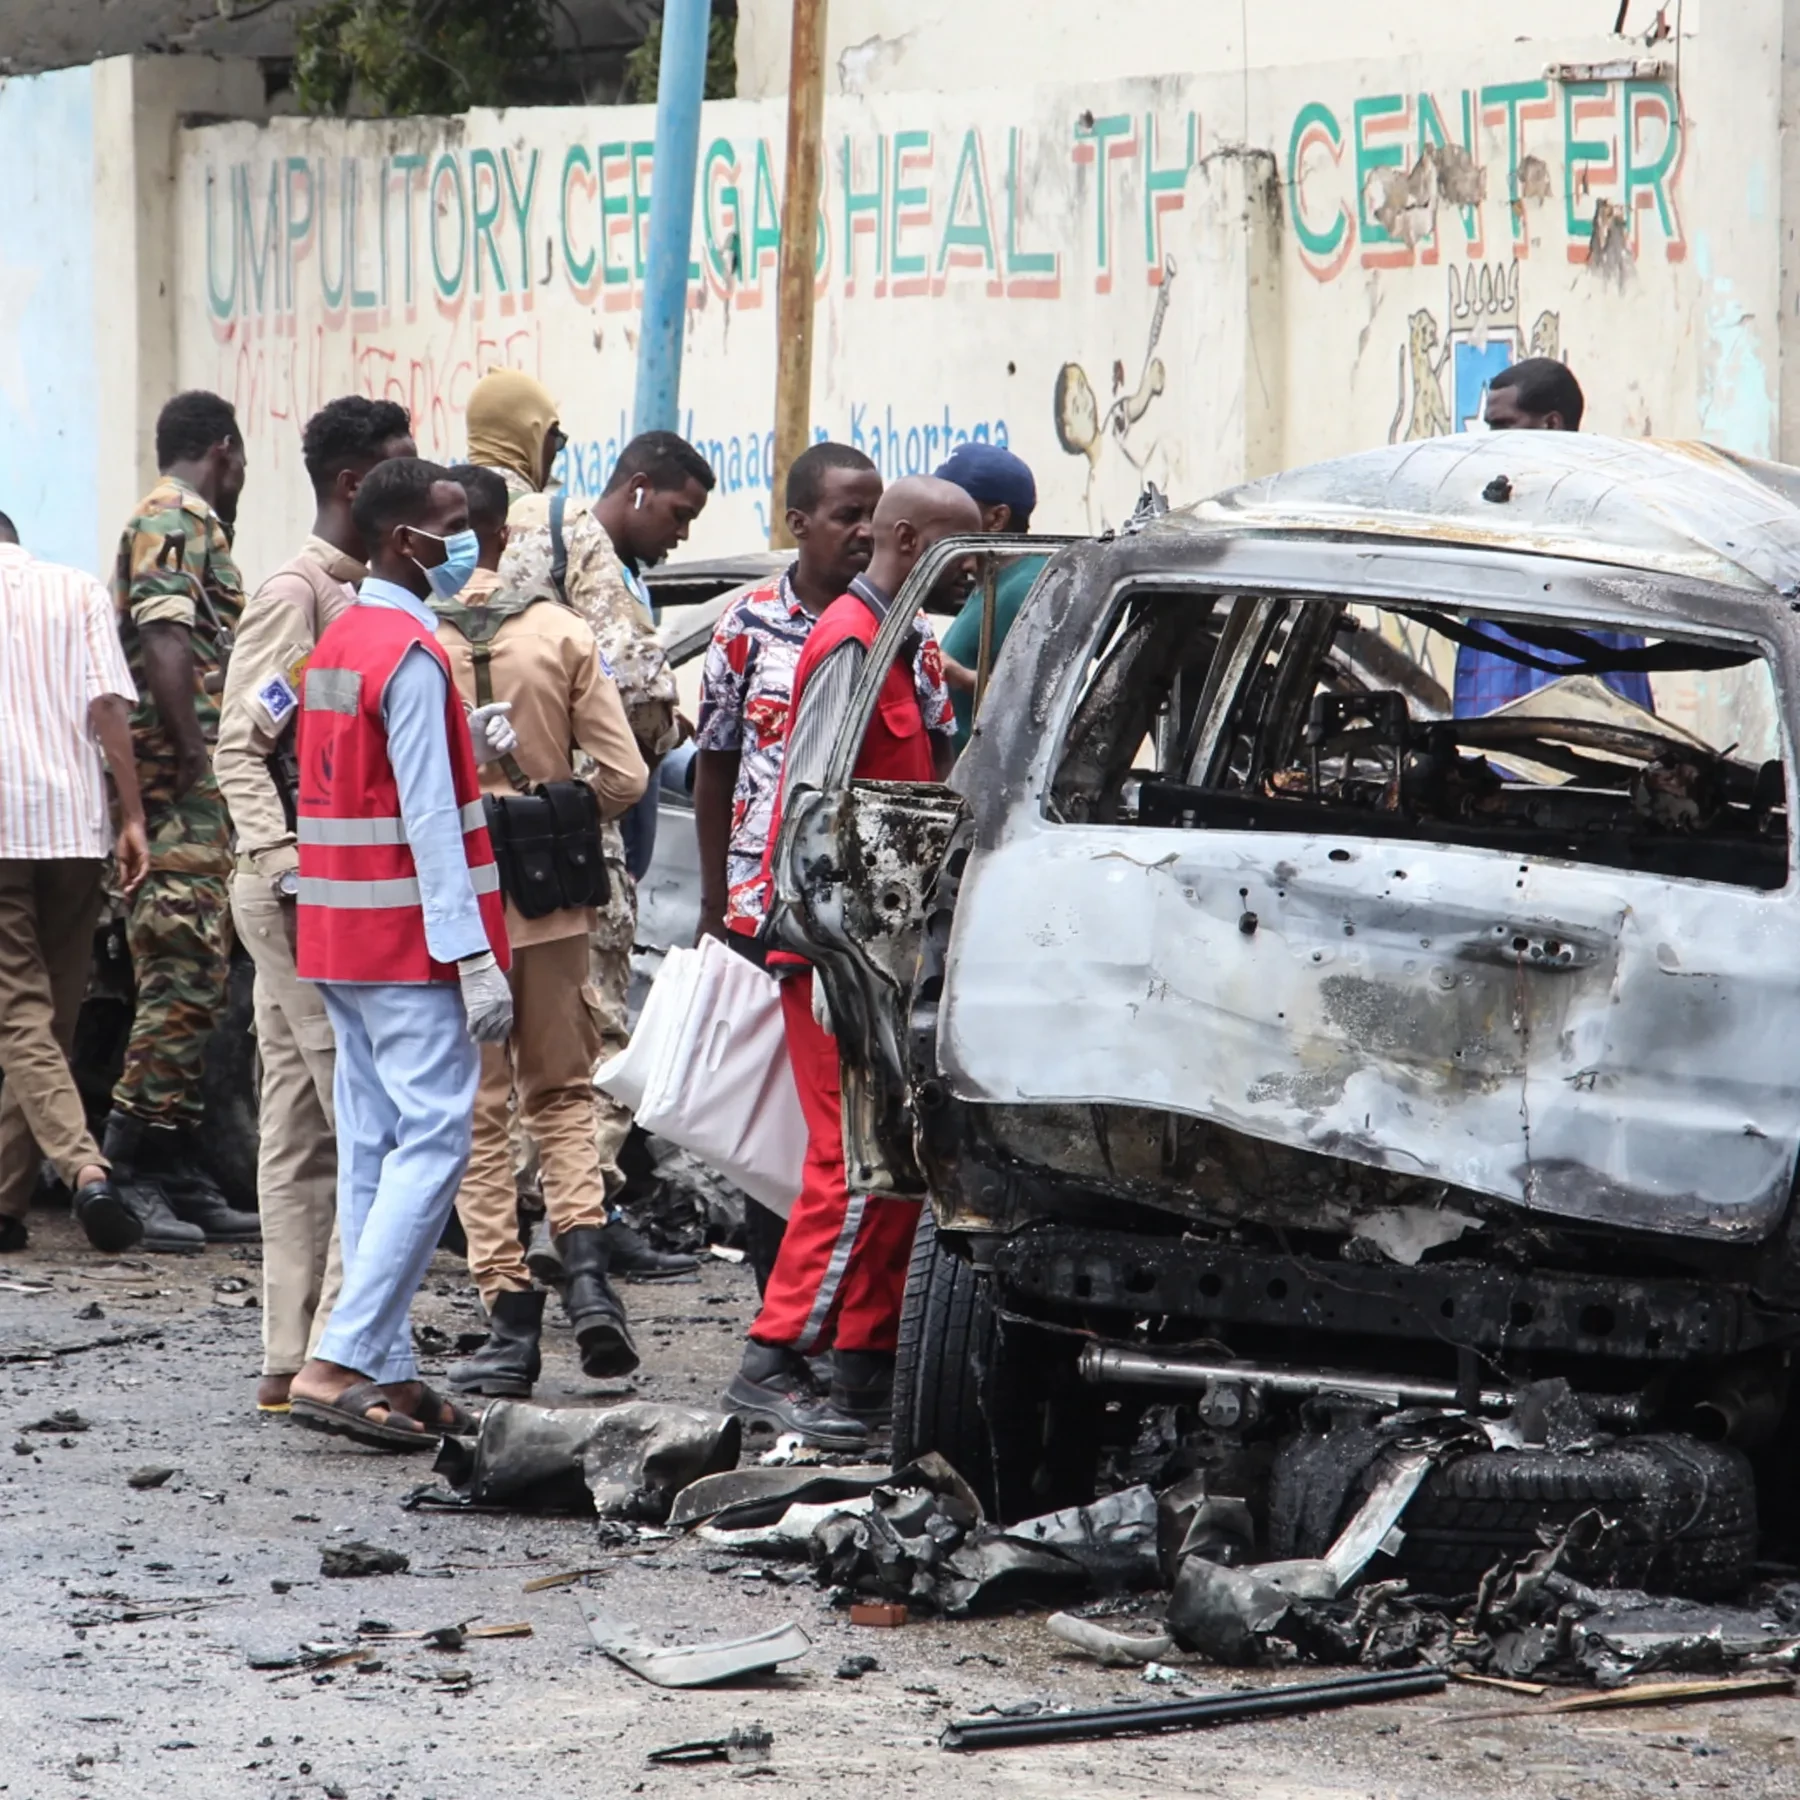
pixel 1324 716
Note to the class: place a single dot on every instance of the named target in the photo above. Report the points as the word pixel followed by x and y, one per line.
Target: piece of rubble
pixel 696 1665
pixel 346 1562
pixel 1111 1649
pixel 854 1668
pixel 152 1475
pixel 746 1744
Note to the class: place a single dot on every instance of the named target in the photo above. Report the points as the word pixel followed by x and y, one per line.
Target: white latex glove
pixel 487 998
pixel 491 734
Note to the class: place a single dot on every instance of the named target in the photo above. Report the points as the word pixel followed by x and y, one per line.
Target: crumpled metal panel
pixel 1672 508
pixel 1581 1041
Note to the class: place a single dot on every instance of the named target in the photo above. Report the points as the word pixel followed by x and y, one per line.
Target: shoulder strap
pixel 479 625
pixel 559 546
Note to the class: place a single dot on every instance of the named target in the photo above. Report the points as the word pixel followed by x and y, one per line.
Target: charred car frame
pixel 1260 1033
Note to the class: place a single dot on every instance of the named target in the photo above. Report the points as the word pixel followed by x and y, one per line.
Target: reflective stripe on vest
pixel 371 896
pixel 359 833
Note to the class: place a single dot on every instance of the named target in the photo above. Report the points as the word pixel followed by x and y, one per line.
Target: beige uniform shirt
pixel 275 636
pixel 601 592
pixel 544 661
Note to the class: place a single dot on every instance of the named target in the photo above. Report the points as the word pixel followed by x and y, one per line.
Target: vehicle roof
pixel 1680 509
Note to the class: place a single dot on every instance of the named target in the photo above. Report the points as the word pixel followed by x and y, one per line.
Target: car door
pixel 855 869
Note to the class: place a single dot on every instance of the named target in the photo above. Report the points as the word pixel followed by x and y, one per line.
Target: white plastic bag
pixel 707 1068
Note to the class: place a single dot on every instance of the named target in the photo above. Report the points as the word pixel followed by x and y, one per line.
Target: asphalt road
pixel 223 1558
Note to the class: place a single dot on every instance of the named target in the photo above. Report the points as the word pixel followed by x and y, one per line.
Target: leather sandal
pixel 348 1416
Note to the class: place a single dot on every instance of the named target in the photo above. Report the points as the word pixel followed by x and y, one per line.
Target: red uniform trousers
pixel 842 1269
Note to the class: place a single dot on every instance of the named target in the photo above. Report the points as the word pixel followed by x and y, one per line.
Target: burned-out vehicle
pixel 1266 1039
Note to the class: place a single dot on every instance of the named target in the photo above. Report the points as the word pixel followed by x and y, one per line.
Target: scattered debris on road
pixel 747 1744
pixel 696 1665
pixel 345 1562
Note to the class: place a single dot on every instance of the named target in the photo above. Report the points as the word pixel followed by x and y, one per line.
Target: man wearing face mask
pixel 401 923
pixel 296 1166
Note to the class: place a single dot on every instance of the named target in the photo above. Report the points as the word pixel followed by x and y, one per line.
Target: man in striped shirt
pixel 65 697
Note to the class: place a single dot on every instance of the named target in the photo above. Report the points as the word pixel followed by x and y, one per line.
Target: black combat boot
pixel 508 1363
pixel 632 1257
pixel 773 1384
pixel 862 1385
pixel 596 1312
pixel 543 1258
pixel 124 1147
pixel 192 1194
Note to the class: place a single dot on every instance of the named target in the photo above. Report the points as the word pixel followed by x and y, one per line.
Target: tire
pixel 1001 1402
pixel 1685 1513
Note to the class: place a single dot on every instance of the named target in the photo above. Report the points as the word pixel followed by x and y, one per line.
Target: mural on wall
pixel 1004 272
pixel 1445 368
pixel 1119 465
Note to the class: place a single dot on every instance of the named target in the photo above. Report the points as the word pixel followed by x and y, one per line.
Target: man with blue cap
pixel 1001 485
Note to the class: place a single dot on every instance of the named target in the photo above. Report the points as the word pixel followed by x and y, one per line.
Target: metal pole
pixel 799 214
pixel 680 88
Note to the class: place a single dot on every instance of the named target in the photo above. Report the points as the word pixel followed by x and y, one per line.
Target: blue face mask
pixel 462 553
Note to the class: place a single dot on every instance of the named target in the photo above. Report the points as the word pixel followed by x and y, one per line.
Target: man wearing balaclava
pixel 657 488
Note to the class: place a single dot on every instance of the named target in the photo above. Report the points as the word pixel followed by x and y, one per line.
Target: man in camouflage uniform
pixel 657 489
pixel 178 597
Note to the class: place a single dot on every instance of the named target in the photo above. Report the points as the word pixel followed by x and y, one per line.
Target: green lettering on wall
pixel 1323 245
pixel 449 282
pixel 1370 157
pixel 857 202
pixel 902 263
pixel 969 189
pixel 484 213
pixel 520 204
pixel 581 269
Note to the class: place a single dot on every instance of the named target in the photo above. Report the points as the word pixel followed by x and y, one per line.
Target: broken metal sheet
pixel 621 1462
pixel 792 1533
pixel 739 1498
pixel 1404 1233
pixel 1111 1649
pixel 1379 1516
pixel 696 1665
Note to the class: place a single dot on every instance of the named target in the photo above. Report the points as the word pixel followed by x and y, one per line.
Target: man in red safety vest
pixel 400 922
pixel 841 1272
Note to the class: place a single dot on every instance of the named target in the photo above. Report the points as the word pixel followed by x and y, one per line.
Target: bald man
pixel 838 1281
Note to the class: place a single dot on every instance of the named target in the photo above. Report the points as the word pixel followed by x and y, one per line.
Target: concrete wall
pixel 891 46
pixel 1100 274
pixel 49 416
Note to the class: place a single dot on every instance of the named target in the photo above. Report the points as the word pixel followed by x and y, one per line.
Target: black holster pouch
pixel 547 846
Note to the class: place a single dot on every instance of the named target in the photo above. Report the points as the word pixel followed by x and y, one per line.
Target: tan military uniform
pixel 543 660
pixel 599 589
pixel 296 1172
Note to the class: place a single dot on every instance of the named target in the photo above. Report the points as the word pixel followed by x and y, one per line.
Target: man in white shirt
pixel 65 698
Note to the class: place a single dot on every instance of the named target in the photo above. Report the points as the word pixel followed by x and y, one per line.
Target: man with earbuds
pixel 400 922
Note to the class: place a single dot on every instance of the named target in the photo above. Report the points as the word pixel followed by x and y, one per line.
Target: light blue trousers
pixel 405 1095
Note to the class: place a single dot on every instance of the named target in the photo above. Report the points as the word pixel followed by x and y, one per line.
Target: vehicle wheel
pixel 1685 1511
pixel 1001 1402
pixel 228 1086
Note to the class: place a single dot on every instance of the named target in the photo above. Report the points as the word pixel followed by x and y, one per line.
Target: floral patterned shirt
pixel 746 694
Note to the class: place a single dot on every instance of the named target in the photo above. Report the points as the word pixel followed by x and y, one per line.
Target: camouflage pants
pixel 608 997
pixel 179 933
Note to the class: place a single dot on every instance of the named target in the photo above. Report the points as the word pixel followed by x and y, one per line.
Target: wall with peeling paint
pixel 1328 236
pixel 1181 278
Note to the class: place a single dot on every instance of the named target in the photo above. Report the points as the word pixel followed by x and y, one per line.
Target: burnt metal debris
pixel 620 1462
pixel 1282 1702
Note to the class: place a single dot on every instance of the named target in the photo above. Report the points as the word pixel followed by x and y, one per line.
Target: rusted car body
pixel 1254 1027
